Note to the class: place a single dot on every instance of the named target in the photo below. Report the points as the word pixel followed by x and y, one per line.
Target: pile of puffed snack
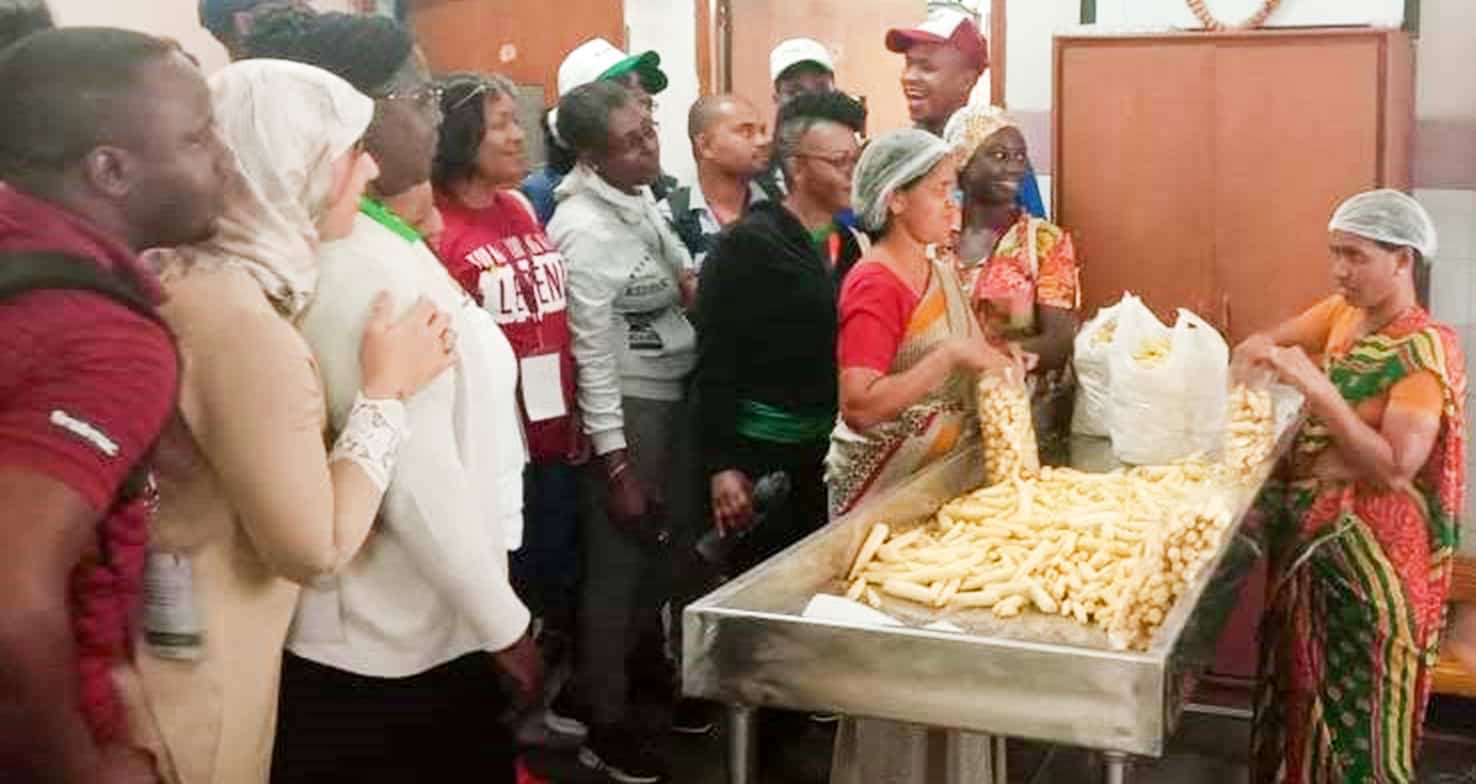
pixel 1112 550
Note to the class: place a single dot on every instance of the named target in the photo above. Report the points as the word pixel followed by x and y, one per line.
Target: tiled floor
pixel 1205 750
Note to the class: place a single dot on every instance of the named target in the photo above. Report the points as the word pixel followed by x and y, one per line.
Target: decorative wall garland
pixel 1207 18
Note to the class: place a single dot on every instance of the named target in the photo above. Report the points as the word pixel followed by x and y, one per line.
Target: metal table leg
pixel 962 758
pixel 953 754
pixel 1115 767
pixel 742 745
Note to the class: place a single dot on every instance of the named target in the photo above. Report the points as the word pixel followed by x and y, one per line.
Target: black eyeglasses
pixel 426 96
pixel 842 160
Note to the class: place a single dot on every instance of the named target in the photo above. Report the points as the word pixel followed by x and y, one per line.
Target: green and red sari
pixel 1360 572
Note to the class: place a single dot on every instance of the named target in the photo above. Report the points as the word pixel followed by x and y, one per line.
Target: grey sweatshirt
pixel 631 337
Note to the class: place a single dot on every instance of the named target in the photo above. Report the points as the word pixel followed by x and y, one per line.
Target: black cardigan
pixel 767 327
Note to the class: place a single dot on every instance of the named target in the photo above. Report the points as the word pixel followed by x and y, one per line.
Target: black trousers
pixel 443 725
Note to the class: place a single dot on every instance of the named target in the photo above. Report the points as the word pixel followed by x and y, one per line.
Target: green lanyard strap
pixel 386 217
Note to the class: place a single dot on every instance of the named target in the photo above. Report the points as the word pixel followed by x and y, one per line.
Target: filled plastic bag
pixel 1007 427
pixel 1169 387
pixel 1091 360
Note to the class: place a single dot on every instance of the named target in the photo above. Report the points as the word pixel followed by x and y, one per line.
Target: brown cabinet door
pixel 1296 131
pixel 1134 169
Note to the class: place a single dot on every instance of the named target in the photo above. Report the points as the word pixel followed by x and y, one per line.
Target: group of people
pixel 332 439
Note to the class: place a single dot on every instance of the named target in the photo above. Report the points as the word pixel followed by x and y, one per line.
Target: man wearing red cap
pixel 946 56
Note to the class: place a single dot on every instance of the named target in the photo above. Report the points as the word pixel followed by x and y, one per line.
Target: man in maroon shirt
pixel 107 146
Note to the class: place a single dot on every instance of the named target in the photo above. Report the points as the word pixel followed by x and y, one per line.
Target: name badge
pixel 543 388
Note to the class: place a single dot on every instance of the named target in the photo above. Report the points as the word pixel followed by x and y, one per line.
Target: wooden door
pixel 1134 166
pixel 1297 130
pixel 524 40
pixel 855 33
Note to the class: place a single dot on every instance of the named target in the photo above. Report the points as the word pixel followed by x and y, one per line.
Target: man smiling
pixel 946 56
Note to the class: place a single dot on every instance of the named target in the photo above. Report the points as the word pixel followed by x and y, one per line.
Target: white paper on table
pixel 839 609
pixel 543 387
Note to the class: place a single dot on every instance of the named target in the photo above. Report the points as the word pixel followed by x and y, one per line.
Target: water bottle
pixel 769 493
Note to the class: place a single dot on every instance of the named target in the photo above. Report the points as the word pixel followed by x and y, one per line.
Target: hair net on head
pixel 971 126
pixel 889 162
pixel 1388 216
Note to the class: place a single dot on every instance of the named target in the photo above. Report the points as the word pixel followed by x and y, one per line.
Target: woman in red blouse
pixel 909 345
pixel 909 353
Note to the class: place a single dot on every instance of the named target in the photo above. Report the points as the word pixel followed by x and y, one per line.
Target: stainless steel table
pixel 748 645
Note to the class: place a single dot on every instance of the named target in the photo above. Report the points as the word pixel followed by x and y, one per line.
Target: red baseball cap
pixel 944 27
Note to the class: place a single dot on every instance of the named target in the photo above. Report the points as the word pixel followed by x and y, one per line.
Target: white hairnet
pixel 1388 216
pixel 889 162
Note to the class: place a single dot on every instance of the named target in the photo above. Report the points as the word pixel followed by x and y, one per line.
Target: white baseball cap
pixel 795 51
pixel 598 59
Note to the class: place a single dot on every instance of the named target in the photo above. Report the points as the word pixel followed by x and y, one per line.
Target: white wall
pixel 1446 45
pixel 1445 102
pixel 177 19
pixel 1030 26
pixel 670 28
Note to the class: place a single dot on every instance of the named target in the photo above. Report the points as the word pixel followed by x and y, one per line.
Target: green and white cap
pixel 598 59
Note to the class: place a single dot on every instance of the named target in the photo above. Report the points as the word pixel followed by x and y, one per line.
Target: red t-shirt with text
pixel 501 256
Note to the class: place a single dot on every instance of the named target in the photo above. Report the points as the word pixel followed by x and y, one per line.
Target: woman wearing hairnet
pixel 1361 535
pixel 909 350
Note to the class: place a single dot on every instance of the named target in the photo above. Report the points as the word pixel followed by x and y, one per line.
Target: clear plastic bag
pixel 1091 357
pixel 1250 425
pixel 1169 388
pixel 1007 427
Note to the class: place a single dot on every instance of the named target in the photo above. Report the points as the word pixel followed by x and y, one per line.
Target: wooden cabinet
pixel 1200 169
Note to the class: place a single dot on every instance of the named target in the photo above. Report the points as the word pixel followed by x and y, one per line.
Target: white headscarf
pixel 286 123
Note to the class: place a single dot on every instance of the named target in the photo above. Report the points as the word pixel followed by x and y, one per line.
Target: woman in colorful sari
pixel 1019 271
pixel 1361 535
pixel 909 351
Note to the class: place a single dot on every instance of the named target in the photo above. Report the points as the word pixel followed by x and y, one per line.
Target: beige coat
pixel 247 493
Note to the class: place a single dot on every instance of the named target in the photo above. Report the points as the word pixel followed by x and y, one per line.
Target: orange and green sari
pixel 1360 572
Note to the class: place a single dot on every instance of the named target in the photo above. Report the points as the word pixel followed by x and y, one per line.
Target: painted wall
pixel 1445 164
pixel 670 28
pixel 178 19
